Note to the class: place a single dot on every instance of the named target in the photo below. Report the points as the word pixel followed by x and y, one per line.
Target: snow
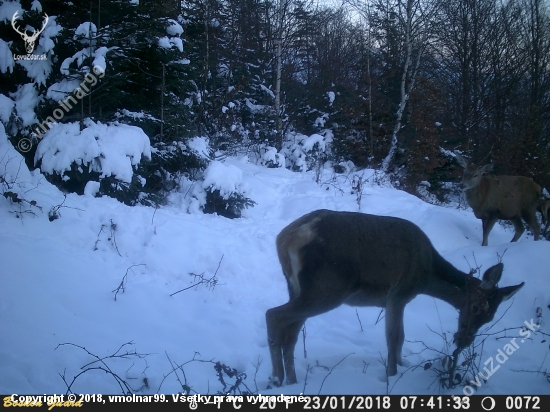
pixel 134 115
pixel 174 29
pixel 60 90
pixel 37 70
pixel 167 43
pixel 200 146
pixel 164 42
pixel 271 157
pixel 8 9
pixel 112 150
pixel 59 282
pixel 46 43
pixel 268 91
pixel 176 41
pixel 315 139
pixel 6 57
pixel 36 5
pixel 321 120
pixel 84 30
pixel 26 98
pixel 6 108
pixel 99 64
pixel 12 164
pixel 255 108
pixel 225 178
pixel 331 97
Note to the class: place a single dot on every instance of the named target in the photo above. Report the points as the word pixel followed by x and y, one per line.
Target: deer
pixel 513 198
pixel 544 207
pixel 331 258
pixel 29 40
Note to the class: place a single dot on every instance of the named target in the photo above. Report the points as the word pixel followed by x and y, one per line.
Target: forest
pixel 393 85
pixel 151 153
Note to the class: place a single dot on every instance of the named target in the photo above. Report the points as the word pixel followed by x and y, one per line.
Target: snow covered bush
pixel 109 154
pixel 222 191
pixel 271 158
pixel 15 179
pixel 307 152
pixel 172 162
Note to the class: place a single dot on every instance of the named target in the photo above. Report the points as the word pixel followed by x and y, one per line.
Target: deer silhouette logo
pixel 29 40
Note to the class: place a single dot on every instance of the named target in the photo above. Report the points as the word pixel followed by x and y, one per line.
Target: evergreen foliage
pixel 181 69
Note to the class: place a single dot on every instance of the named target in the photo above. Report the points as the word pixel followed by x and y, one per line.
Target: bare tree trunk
pixel 162 103
pixel 279 52
pixel 408 77
pixel 91 64
pixel 202 90
pixel 81 114
pixel 369 81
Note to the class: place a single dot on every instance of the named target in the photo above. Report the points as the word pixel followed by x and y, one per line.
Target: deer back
pixel 372 253
pixel 503 196
pixel 507 196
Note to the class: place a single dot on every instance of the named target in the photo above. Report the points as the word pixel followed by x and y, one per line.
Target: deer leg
pixel 284 322
pixel 488 224
pixel 518 227
pixel 290 337
pixel 400 342
pixel 395 333
pixel 274 328
pixel 531 220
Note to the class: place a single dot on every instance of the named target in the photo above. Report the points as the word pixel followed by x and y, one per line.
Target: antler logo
pixel 29 40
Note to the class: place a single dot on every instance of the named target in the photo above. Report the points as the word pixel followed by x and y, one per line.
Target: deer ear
pixel 492 276
pixel 461 161
pixel 509 291
pixel 487 168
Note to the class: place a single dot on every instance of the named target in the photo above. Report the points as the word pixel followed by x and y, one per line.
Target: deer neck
pixel 476 195
pixel 452 289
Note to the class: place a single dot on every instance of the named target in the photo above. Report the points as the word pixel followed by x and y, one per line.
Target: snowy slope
pixel 58 280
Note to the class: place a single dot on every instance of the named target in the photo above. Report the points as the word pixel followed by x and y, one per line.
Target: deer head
pixel 472 173
pixel 480 304
pixel 29 40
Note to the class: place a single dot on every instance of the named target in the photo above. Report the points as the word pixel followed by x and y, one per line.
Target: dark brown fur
pixel 544 207
pixel 513 198
pixel 333 258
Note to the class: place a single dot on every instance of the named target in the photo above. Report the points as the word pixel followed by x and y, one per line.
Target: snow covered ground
pixel 59 279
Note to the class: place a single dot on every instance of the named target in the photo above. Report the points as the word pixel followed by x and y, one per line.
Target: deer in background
pixel 333 258
pixel 500 197
pixel 544 208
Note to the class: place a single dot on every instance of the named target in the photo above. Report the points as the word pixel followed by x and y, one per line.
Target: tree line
pixel 391 84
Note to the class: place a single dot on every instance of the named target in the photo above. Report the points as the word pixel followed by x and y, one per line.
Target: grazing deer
pixel 331 258
pixel 29 40
pixel 500 197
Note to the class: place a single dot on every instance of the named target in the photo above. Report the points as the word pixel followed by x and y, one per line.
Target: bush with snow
pixel 271 158
pixel 107 153
pixel 307 152
pixel 221 191
pixel 175 167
